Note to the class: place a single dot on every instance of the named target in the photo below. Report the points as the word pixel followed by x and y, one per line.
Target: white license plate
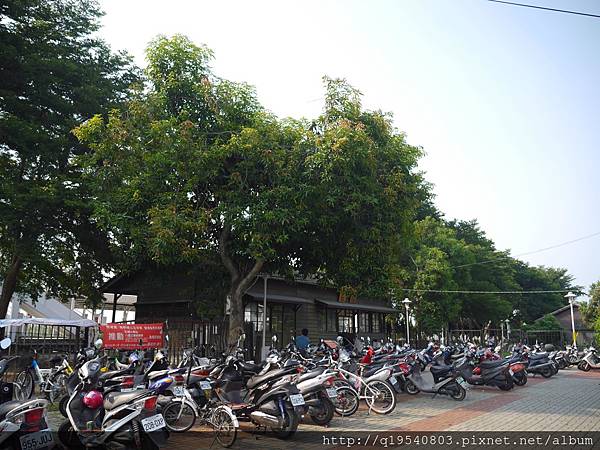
pixel 178 391
pixel 205 385
pixel 393 380
pixel 297 399
pixel 462 382
pixel 41 439
pixel 331 392
pixel 153 423
pixel 511 372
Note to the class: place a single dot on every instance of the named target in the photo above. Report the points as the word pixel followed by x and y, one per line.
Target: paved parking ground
pixel 569 401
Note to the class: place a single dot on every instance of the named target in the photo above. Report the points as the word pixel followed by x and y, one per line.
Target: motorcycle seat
pixel 257 379
pixel 250 367
pixel 116 399
pixel 440 369
pixel 158 374
pixel 490 364
pixel 538 355
pixel 369 371
pixel 113 374
pixel 7 407
pixel 312 374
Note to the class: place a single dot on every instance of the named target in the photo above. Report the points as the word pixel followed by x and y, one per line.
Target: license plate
pixel 393 380
pixel 297 399
pixel 511 372
pixel 178 391
pixel 462 382
pixel 153 423
pixel 331 392
pixel 39 440
pixel 205 385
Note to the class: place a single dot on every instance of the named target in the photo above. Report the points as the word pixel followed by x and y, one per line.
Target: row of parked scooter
pixel 138 403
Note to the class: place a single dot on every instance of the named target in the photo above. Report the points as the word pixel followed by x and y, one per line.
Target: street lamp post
pixel 406 302
pixel 571 296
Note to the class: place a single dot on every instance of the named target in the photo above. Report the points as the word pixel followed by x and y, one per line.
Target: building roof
pixel 564 308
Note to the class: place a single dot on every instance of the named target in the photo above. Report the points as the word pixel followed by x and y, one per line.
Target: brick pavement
pixel 569 401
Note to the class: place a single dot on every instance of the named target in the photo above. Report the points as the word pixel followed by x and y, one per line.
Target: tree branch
pixel 227 261
pixel 258 265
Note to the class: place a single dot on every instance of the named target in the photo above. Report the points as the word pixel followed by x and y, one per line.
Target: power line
pixel 547 9
pixel 442 291
pixel 562 244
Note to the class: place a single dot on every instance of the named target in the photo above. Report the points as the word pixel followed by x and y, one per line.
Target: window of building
pixel 364 322
pixel 331 320
pixel 345 321
pixel 253 314
pixel 377 322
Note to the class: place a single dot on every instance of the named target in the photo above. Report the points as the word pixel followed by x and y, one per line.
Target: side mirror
pixel 98 344
pixel 274 338
pixel 5 343
pixel 167 338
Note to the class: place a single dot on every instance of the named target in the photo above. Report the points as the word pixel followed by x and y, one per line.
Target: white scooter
pixel 589 361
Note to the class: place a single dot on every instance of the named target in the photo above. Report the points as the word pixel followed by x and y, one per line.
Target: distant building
pixel 291 306
pixel 563 315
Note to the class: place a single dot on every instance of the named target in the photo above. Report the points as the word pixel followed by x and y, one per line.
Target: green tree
pixel 53 74
pixel 548 322
pixel 194 167
pixel 590 312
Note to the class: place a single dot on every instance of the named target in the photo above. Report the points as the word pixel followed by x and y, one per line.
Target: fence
pixel 47 339
pixel 209 336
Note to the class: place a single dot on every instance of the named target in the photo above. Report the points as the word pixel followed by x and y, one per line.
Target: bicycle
pixel 52 381
pixel 182 412
pixel 352 387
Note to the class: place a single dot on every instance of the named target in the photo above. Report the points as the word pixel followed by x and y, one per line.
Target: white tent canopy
pixel 84 323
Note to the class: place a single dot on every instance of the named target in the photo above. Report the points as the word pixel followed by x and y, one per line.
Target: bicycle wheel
pixel 25 381
pixel 179 416
pixel 18 393
pixel 380 396
pixel 224 427
pixel 346 402
pixel 58 388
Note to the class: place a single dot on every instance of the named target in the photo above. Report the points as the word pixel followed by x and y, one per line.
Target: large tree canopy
pixel 457 256
pixel 195 168
pixel 53 75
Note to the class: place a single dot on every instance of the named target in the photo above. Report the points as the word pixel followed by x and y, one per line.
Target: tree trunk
pixel 239 284
pixel 236 317
pixel 9 284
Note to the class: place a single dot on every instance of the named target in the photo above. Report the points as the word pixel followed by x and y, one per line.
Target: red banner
pixel 128 336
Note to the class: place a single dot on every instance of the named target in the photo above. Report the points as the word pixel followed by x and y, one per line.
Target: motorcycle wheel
pixel 547 372
pixel 62 405
pixel 508 385
pixel 583 365
pixel 224 428
pixel 179 418
pixel 67 436
pixel 346 402
pixel 520 378
pixel 563 364
pixel 460 395
pixel 325 414
pixel 380 396
pixel 410 388
pixel 289 427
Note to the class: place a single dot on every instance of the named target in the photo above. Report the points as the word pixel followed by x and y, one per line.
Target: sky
pixel 504 100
